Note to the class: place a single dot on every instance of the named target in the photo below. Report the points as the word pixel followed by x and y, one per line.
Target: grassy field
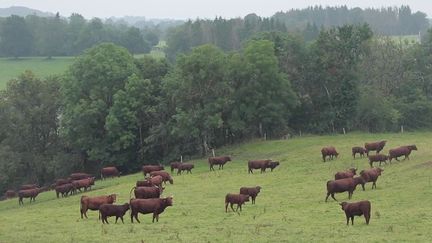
pixel 290 208
pixel 42 67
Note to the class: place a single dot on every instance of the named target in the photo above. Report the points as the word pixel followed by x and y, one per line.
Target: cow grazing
pixel 371 175
pixel 356 209
pixel 107 210
pixel 350 173
pixel 165 176
pixel 79 176
pixel 93 203
pixel 174 165
pixel 377 158
pixel 401 151
pixel 29 193
pixel 146 192
pixel 329 152
pixel 258 164
pixel 221 161
pixel 251 191
pixel 10 194
pixel 64 189
pixel 146 169
pixel 273 164
pixel 109 172
pixel 358 150
pixel 153 205
pixel 238 199
pixel 28 186
pixel 84 183
pixel 375 146
pixel 343 185
pixel 185 166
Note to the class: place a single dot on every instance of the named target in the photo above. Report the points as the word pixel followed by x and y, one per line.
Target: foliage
pixel 16 38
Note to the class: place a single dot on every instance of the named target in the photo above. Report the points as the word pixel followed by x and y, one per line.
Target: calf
pixel 146 169
pixel 146 192
pixel 330 152
pixel 93 203
pixel 64 189
pixel 377 158
pixel 258 164
pixel 356 209
pixel 29 193
pixel 79 176
pixel 371 175
pixel 273 164
pixel 238 199
pixel 401 151
pixel 107 210
pixel 251 191
pixel 350 173
pixel 109 172
pixel 10 194
pixel 375 146
pixel 174 165
pixel 343 185
pixel 84 183
pixel 358 150
pixel 153 205
pixel 185 166
pixel 165 176
pixel 221 161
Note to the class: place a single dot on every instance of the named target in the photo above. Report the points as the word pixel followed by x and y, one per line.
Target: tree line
pixel 58 36
pixel 112 109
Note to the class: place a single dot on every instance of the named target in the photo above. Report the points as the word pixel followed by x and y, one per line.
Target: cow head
pixel 353 170
pixel 412 147
pixel 228 158
pixel 112 198
pixel 258 188
pixel 170 179
pixel 343 205
pixel 168 201
pixel 379 170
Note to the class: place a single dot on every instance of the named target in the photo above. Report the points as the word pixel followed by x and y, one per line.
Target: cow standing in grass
pixel 238 199
pixel 401 151
pixel 375 146
pixel 371 175
pixel 343 185
pixel 356 209
pixel 329 152
pixel 29 193
pixel 358 150
pixel 93 203
pixel 221 161
pixel 155 206
pixel 107 210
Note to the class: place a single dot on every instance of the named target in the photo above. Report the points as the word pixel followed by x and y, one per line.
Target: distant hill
pixel 22 11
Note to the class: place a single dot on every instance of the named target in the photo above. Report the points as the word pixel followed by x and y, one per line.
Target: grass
pixel 42 67
pixel 290 207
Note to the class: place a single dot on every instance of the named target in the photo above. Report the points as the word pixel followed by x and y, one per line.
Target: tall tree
pixel 16 38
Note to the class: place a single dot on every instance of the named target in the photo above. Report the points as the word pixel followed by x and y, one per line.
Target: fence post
pixel 265 136
pixel 213 153
pixel 181 159
pixel 402 129
pixel 343 129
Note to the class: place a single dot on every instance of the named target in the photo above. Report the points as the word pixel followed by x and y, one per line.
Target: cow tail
pixel 130 193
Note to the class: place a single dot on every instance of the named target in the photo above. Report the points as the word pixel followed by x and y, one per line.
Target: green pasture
pixel 290 207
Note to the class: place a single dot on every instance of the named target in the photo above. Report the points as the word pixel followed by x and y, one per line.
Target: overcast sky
pixel 185 9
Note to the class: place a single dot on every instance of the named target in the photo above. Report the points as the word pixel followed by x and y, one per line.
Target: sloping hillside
pixel 290 207
pixel 23 11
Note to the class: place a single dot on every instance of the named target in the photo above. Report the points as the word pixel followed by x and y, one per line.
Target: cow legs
pixel 253 200
pixel 352 220
pixel 367 217
pixel 332 195
pixel 347 218
pixel 232 206
pixel 20 201
pixel 350 195
pixel 328 194
pixel 239 206
pixel 374 185
pixel 226 207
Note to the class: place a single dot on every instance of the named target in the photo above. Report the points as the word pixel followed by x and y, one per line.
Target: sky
pixel 192 9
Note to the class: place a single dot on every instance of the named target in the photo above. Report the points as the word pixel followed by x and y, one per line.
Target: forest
pixel 111 108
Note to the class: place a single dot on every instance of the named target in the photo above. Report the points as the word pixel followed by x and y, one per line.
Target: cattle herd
pixel 346 181
pixel 148 193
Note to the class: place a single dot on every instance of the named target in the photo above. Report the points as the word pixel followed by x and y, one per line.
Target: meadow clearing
pixel 290 207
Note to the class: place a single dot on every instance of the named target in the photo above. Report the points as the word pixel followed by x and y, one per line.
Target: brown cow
pixel 358 150
pixel 371 175
pixel 10 194
pixel 146 169
pixel 146 183
pixel 146 192
pixel 185 166
pixel 79 176
pixel 251 191
pixel 84 183
pixel 377 158
pixel 356 209
pixel 330 152
pixel 375 146
pixel 109 172
pixel 29 193
pixel 149 182
pixel 401 151
pixel 165 176
pixel 221 161
pixel 350 173
pixel 258 164
pixel 28 186
pixel 273 164
pixel 343 185
pixel 174 165
pixel 153 205
pixel 107 210
pixel 64 189
pixel 60 182
pixel 93 203
pixel 238 199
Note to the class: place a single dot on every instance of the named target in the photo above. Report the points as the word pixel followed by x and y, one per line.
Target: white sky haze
pixel 191 9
